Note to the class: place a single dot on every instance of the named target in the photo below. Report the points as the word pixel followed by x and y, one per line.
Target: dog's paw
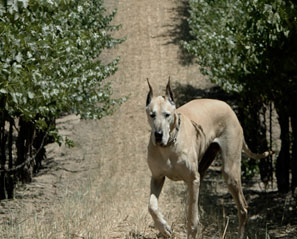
pixel 164 228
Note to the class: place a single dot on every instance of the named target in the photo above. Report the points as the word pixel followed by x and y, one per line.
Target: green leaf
pixel 30 95
pixel 48 53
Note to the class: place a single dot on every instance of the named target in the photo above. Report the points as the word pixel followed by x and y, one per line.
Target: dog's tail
pixel 250 154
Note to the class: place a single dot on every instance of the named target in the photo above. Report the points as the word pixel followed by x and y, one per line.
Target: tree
pixel 49 65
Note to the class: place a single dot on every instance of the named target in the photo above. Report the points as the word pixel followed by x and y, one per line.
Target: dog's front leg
pixel 193 214
pixel 160 223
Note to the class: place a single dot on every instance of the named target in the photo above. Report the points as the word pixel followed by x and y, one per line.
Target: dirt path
pixel 100 188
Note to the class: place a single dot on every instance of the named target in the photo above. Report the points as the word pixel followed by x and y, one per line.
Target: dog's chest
pixel 174 168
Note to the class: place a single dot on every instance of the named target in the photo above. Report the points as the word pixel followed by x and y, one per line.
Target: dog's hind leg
pixel 232 175
pixel 193 214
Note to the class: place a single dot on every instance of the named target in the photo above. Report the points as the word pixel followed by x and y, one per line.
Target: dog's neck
pixel 174 131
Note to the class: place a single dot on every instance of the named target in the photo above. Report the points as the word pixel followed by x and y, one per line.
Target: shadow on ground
pixel 271 215
pixel 185 93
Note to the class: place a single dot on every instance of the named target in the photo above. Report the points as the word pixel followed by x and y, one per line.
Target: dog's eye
pixel 167 115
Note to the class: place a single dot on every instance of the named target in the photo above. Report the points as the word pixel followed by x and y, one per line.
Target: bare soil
pixel 100 188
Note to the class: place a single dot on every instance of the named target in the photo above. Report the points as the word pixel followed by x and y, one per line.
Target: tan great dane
pixel 183 144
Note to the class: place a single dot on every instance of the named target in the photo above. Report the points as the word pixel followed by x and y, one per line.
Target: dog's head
pixel 161 115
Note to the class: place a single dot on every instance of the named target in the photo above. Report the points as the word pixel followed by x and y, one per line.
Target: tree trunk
pixel 2 161
pixel 24 146
pixel 283 159
pixel 39 141
pixel 10 183
pixel 294 151
pixel 265 165
pixel 250 112
pixel 3 138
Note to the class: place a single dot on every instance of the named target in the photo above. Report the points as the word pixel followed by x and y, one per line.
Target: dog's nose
pixel 158 135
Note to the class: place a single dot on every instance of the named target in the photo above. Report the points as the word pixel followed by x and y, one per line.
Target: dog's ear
pixel 150 94
pixel 169 94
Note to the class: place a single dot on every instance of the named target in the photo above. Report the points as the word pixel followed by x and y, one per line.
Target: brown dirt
pixel 99 188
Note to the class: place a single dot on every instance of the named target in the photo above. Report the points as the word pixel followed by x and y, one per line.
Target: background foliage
pixel 250 47
pixel 49 65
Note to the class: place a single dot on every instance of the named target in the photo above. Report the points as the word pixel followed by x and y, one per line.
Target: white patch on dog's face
pixel 161 116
